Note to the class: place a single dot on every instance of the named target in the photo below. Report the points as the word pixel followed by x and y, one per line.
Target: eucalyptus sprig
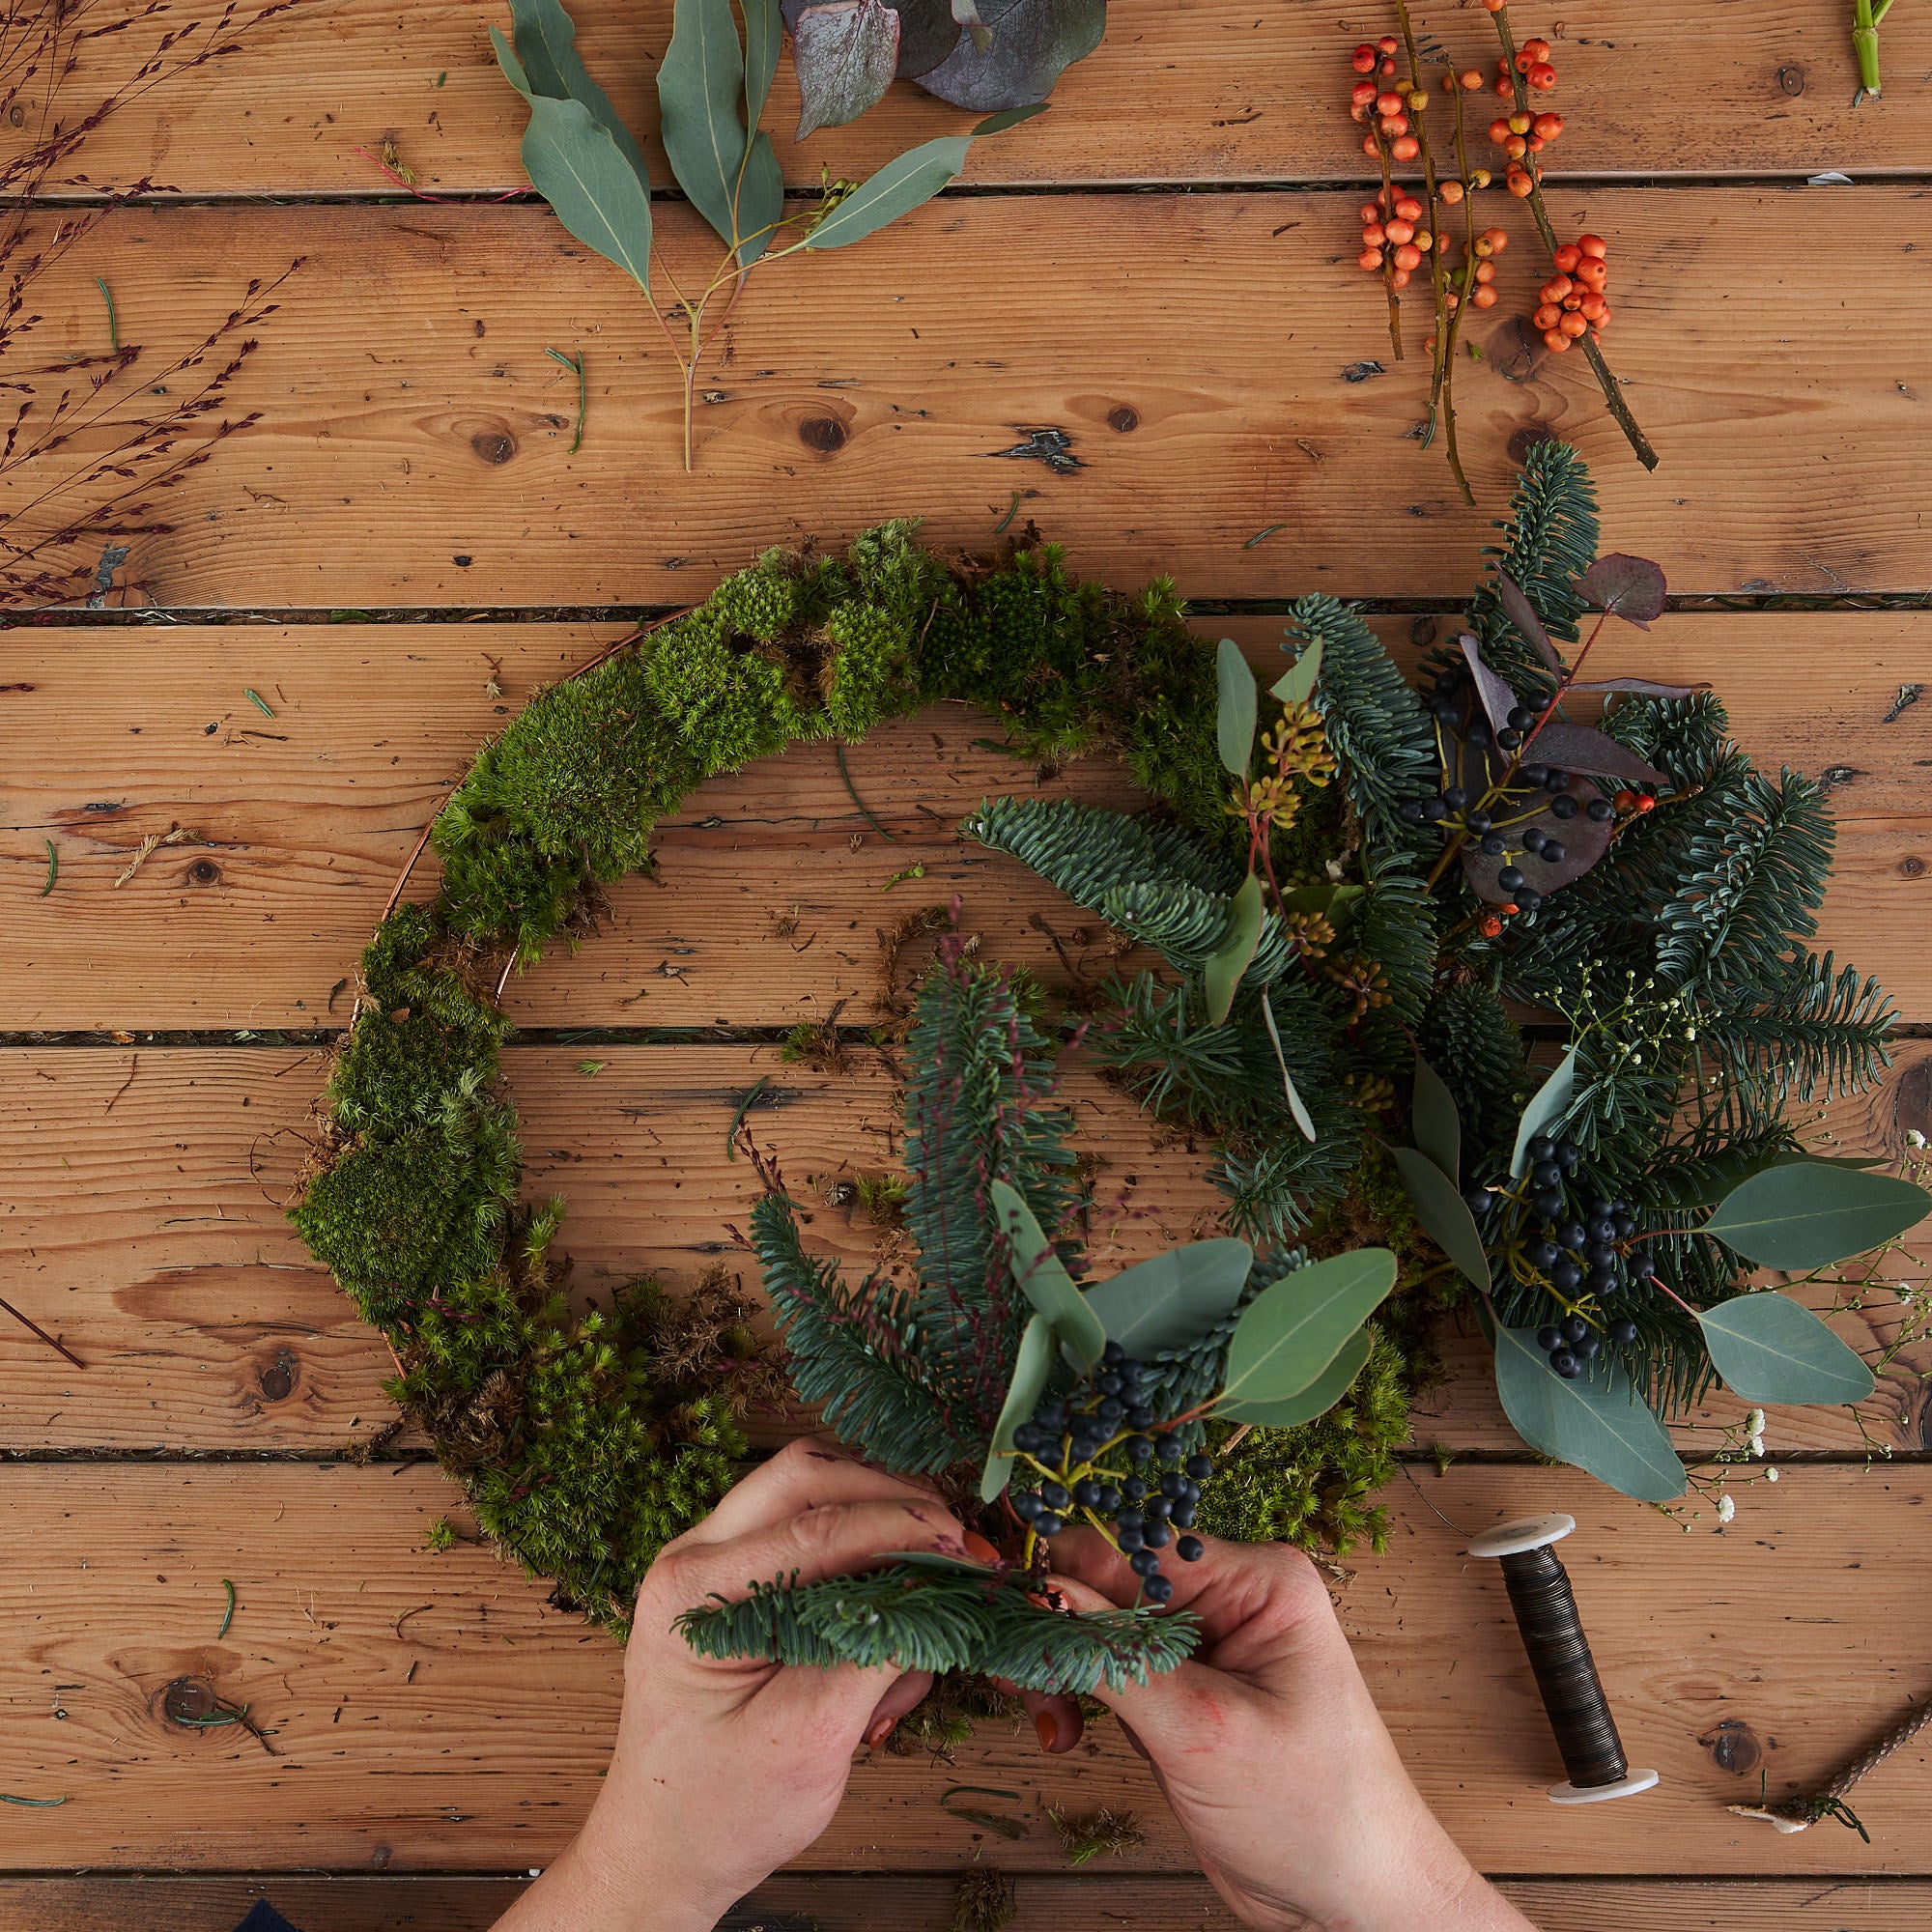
pixel 713 85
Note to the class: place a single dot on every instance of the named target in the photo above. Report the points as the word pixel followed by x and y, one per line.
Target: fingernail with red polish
pixel 979 1549
pixel 1048 1727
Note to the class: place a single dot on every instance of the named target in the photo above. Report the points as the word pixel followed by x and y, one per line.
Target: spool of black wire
pixel 1559 1655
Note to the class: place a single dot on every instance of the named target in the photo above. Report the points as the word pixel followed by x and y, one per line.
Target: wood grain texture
pixel 1094 1901
pixel 1210 92
pixel 1209 361
pixel 765 911
pixel 1781 1644
pixel 142 1223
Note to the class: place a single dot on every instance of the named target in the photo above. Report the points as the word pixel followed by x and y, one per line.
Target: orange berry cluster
pixel 1392 235
pixel 1572 301
pixel 1385 98
pixel 1520 134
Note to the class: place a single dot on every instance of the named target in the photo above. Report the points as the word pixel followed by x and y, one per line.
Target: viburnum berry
pixel 1451 192
pixel 1542 76
pixel 1388 45
pixel 1490 925
pixel 1363 93
pixel 1547 126
pixel 1473 80
pixel 1555 339
pixel 1407 208
pixel 1486 271
pixel 1499 130
pixel 1388 103
pixel 1593 244
pixel 1405 147
pixel 1408 256
pixel 1547 316
pixel 1400 230
pixel 1567 257
pixel 1484 296
pixel 1363 59
pixel 1519 183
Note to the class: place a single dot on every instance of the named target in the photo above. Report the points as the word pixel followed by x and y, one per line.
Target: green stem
pixel 1865 41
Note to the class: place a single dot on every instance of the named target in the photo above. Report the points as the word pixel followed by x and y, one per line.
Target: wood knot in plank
pixel 825 434
pixel 495 445
pixel 1733 1746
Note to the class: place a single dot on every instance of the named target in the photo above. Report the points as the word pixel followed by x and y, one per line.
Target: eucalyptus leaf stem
pixel 1614 395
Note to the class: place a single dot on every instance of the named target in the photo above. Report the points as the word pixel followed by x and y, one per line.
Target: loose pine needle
pixel 53 869
pixel 1261 537
pixel 1012 510
pixel 37 1803
pixel 113 321
pixel 227 1615
pixel 260 702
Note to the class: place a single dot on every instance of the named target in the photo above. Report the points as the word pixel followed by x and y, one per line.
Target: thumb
pixel 1187 1706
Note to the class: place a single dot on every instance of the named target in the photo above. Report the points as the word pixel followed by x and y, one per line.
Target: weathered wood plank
pixel 142 1221
pixel 432 1713
pixel 1091 1901
pixel 311 815
pixel 1646 91
pixel 405 458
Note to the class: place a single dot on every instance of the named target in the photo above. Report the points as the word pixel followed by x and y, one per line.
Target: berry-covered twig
pixel 1532 192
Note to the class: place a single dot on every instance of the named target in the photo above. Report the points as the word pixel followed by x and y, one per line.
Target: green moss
pixel 1315 1486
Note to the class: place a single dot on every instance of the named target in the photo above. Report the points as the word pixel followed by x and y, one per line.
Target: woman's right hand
pixel 1274 1758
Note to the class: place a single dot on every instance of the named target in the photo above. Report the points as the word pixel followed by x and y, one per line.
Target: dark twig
pixel 53 1342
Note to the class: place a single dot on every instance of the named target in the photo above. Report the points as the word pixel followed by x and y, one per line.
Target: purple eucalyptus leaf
pixel 1521 613
pixel 927 34
pixel 1498 699
pixel 1576 748
pixel 1630 587
pixel 1583 840
pixel 1032 42
pixel 844 53
pixel 1643 687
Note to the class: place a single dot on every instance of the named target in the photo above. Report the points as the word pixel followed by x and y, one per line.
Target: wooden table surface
pixel 403 548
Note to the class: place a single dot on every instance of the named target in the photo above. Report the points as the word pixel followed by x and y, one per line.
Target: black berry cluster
pixel 1486 817
pixel 1140 1506
pixel 1583 1243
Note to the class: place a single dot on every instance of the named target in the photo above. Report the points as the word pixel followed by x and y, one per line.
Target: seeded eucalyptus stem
pixel 1614 395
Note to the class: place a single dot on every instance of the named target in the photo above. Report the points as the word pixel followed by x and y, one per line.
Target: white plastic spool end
pixel 1567 1793
pixel 1530 1533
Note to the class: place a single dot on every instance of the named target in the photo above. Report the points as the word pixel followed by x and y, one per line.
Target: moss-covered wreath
pixel 586 1440
pixel 1352 884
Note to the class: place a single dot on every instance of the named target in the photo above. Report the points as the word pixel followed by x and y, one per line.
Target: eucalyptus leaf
pixel 1031 1366
pixel 1032 41
pixel 1234 708
pixel 928 33
pixel 1042 1278
pixel 574 162
pixel 1444 1214
pixel 1724 1171
pixel 903 185
pixel 1630 587
pixel 1498 699
pixel 701 78
pixel 1598 1422
pixel 1297 1107
pixel 1292 1330
pixel 1296 684
pixel 1174 1299
pixel 1643 686
pixel 1439 1128
pixel 547 62
pixel 1579 747
pixel 1521 613
pixel 764 42
pixel 1770 1349
pixel 1808 1214
pixel 1546 1106
pixel 968 16
pixel 1222 973
pixel 1316 1399
pixel 844 53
